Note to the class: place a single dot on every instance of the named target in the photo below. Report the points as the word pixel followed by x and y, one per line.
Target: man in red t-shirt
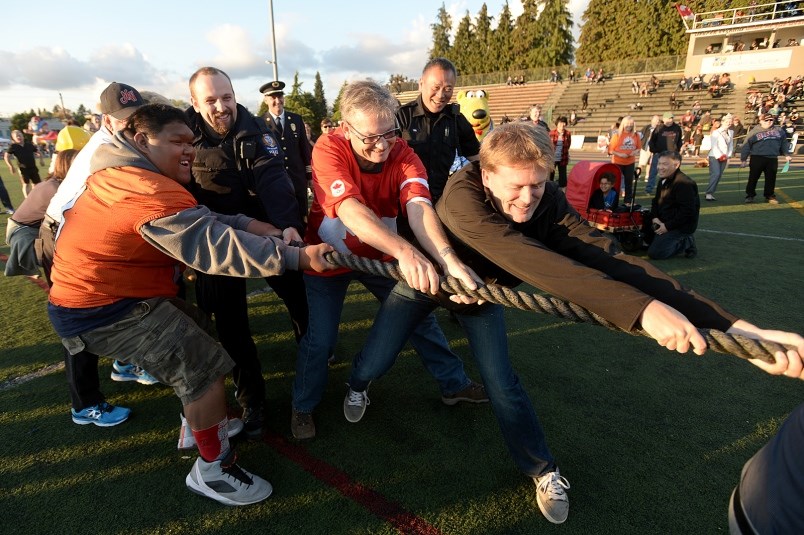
pixel 363 176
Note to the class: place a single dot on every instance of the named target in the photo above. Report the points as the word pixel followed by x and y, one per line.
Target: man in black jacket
pixel 239 168
pixel 674 211
pixel 434 128
pixel 668 136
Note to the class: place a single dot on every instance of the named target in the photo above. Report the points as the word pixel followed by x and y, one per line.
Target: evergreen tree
pixel 601 32
pixel 481 60
pixel 301 102
pixel 556 22
pixel 500 50
pixel 527 36
pixel 463 49
pixel 667 35
pixel 320 100
pixel 336 106
pixel 441 34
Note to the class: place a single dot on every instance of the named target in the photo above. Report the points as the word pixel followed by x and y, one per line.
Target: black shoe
pixel 692 250
pixel 252 422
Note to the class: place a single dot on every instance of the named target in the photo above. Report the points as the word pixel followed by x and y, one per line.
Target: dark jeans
pixel 756 166
pixel 326 297
pixel 404 310
pixel 667 245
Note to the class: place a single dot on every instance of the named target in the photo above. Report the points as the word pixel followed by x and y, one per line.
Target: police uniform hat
pixel 273 88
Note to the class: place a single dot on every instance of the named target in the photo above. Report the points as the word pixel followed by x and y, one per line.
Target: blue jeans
pixel 716 169
pixel 670 244
pixel 485 329
pixel 325 297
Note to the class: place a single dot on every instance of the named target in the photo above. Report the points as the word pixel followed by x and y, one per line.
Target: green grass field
pixel 651 441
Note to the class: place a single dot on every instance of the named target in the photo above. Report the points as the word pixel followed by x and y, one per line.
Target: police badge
pixel 270 144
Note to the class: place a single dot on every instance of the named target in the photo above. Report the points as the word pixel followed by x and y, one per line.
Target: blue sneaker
pixel 102 414
pixel 129 372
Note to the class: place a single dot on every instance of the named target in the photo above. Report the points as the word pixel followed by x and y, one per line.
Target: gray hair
pixel 367 97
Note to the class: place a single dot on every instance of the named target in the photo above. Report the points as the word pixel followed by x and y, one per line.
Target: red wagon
pixel 625 222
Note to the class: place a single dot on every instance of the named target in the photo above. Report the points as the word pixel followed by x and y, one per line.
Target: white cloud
pixel 125 63
pixel 49 68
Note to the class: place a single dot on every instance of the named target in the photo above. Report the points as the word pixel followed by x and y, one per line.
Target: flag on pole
pixel 685 12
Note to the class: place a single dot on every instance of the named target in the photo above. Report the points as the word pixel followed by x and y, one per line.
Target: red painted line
pixel 40 281
pixel 404 521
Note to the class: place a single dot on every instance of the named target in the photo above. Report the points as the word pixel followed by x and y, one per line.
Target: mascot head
pixel 475 107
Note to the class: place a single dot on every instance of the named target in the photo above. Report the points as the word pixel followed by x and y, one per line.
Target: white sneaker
pixel 187 440
pixel 354 405
pixel 224 481
pixel 551 496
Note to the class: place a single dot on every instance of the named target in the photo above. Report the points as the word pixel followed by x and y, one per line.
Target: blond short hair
pixel 517 144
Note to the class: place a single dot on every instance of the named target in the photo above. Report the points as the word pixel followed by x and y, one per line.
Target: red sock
pixel 213 442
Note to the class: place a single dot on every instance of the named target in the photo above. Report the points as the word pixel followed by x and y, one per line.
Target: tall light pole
pixel 273 39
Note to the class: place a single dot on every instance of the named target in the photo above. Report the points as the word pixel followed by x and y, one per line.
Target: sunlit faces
pixel 516 191
pixel 16 135
pixel 362 126
pixel 436 87
pixel 171 150
pixel 667 166
pixel 275 103
pixel 213 97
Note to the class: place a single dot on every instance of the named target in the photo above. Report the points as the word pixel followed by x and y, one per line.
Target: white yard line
pixel 16 381
pixel 763 236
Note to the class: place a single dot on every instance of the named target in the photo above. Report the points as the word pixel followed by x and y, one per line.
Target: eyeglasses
pixel 390 135
pixel 326 127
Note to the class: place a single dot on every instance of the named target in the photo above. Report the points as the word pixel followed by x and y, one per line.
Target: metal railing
pixel 542 74
pixel 745 14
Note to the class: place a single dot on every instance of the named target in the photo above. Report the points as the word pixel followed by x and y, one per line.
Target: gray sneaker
pixel 224 481
pixel 552 497
pixel 354 405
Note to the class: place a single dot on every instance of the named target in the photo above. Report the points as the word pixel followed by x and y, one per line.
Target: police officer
pixel 289 130
pixel 434 128
pixel 238 168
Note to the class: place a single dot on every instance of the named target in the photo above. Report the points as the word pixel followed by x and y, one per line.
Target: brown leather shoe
pixel 302 425
pixel 474 393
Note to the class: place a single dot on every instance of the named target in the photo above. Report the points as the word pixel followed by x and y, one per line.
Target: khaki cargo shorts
pixel 169 339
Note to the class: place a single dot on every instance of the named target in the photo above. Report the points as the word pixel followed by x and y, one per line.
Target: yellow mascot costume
pixel 475 107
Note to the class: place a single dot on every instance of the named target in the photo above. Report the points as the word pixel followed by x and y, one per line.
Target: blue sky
pixel 77 48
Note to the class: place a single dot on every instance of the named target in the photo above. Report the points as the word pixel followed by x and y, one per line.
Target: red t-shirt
pixel 337 177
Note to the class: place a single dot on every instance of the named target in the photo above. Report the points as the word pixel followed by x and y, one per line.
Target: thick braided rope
pixel 718 341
